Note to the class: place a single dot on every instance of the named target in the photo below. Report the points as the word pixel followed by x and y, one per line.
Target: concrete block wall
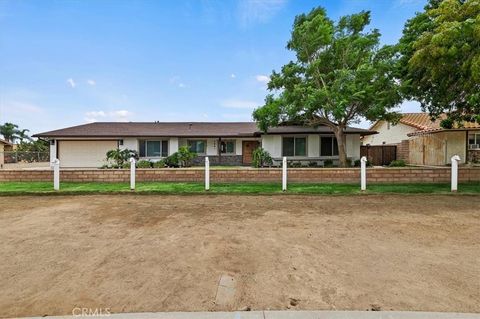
pixel 303 175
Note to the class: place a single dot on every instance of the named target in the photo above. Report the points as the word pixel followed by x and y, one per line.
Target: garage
pixel 84 153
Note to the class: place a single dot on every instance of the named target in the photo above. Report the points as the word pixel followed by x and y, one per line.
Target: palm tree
pixel 9 131
pixel 22 135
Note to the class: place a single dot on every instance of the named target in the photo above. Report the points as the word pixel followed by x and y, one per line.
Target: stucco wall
pixel 388 134
pixel 273 144
pixel 129 143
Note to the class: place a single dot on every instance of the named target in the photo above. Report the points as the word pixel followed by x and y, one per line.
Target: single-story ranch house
pixel 226 143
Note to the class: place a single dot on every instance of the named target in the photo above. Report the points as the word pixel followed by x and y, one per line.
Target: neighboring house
pixel 226 143
pixel 422 141
pixel 3 146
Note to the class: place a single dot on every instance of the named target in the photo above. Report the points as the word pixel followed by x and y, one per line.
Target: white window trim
pixel 205 148
pixel 153 140
pixel 476 140
pixel 294 137
pixel 234 147
pixel 320 148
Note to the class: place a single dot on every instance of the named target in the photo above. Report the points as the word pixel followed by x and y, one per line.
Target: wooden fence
pixel 379 155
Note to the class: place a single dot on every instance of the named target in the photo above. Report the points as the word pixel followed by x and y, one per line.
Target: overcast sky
pixel 64 63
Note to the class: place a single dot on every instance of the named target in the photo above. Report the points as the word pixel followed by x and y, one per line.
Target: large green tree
pixel 340 76
pixel 440 60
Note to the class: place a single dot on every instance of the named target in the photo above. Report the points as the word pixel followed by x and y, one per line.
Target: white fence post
pixel 132 173
pixel 284 174
pixel 455 159
pixel 363 173
pixel 56 174
pixel 207 174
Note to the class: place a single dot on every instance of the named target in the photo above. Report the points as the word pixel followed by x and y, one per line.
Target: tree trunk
pixel 341 141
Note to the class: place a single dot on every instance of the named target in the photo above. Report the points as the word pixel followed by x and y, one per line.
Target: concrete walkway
pixel 282 315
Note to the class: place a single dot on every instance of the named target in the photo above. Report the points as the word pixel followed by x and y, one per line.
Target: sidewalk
pixel 283 315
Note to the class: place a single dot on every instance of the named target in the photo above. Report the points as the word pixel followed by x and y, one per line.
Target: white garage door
pixel 84 153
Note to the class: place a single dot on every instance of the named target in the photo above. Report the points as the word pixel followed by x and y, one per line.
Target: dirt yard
pixel 168 253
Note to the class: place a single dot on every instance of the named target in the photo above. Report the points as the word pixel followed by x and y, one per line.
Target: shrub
pixel 185 156
pixel 358 163
pixel 328 163
pixel 159 164
pixel 172 160
pixel 261 158
pixel 126 165
pixel 119 157
pixel 313 164
pixel 397 163
pixel 295 164
pixel 144 164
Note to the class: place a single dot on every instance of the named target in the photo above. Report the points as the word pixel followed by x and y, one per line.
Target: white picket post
pixel 454 174
pixel 132 173
pixel 284 174
pixel 207 174
pixel 56 174
pixel 363 173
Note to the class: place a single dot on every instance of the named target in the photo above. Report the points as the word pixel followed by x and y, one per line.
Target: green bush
pixel 397 163
pixel 119 157
pixel 172 160
pixel 144 164
pixel 328 163
pixel 185 156
pixel 261 158
pixel 358 163
pixel 159 164
pixel 313 164
pixel 126 165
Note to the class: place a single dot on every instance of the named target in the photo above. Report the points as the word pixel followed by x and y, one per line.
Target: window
pixel 197 146
pixel 328 146
pixel 120 142
pixel 294 146
pixel 227 147
pixel 474 141
pixel 153 148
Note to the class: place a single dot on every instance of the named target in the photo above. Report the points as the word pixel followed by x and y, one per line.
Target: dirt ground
pixel 168 253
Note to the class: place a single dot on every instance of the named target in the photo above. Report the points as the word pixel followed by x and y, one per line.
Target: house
pixel 226 143
pixel 422 141
pixel 4 145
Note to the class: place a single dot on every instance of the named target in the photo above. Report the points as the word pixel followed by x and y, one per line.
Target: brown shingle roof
pixel 180 129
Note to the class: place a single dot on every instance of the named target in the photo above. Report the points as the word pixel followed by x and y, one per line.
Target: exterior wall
pixel 273 144
pixel 129 143
pixel 313 145
pixel 388 134
pixel 438 148
pixel 53 151
pixel 353 146
pixel 172 145
pixel 304 175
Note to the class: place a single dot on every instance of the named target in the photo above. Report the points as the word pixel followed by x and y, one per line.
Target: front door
pixel 247 150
